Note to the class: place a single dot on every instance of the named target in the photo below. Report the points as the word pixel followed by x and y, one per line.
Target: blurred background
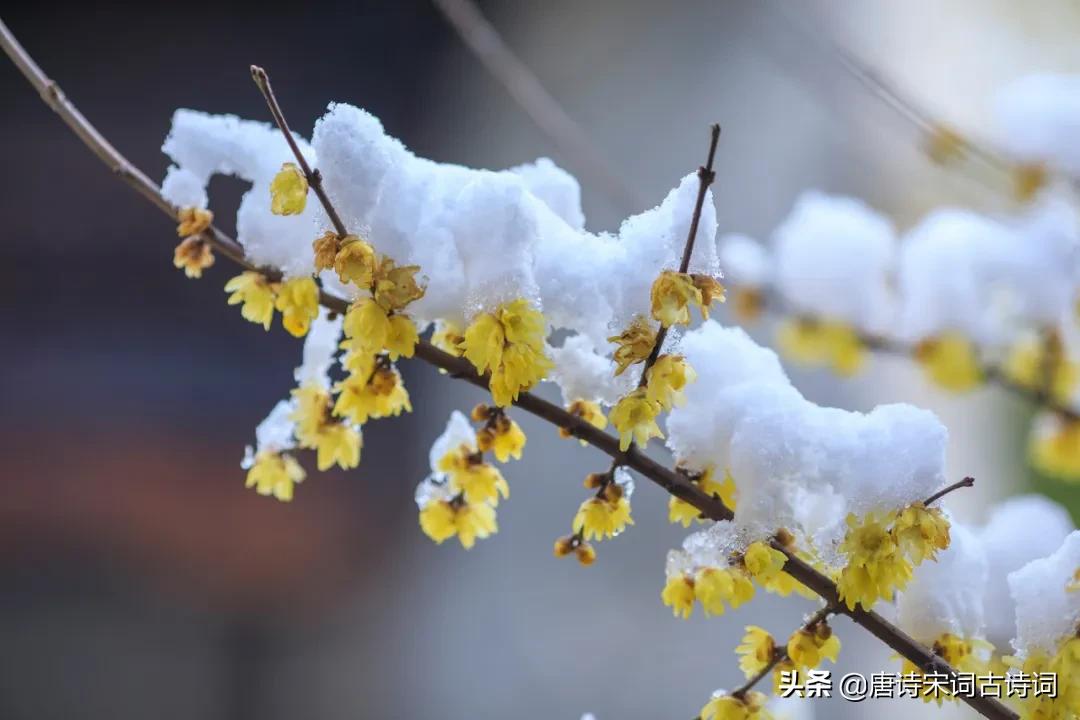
pixel 139 579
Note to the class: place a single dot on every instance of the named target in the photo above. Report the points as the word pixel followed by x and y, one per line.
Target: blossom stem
pixel 672 481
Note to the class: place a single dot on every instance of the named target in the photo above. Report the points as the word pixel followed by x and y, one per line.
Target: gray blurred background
pixel 139 579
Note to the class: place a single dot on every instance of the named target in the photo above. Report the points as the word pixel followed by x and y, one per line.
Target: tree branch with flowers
pixel 839 507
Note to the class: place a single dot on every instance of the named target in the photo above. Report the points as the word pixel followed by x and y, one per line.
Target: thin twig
pixel 673 482
pixel 965 483
pixel 775 307
pixel 313 177
pixel 706 174
pixel 571 142
pixel 889 94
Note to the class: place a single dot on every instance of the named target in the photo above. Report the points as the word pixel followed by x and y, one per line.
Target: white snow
pixel 1038 120
pixel 834 258
pixel 947 596
pixel 320 345
pixel 1045 611
pixel 787 454
pixel 1019 530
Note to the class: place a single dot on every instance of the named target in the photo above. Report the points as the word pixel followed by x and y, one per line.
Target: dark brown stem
pixel 965 483
pixel 674 482
pixel 313 177
pixel 706 175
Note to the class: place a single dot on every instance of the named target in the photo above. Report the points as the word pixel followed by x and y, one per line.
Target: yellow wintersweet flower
pixel 311 410
pixel 355 262
pixel 401 337
pixel 950 360
pixel 448 337
pixel 257 295
pixel 367 326
pixel 1065 664
pixel 750 706
pixel 601 517
pixel 714 587
pixel 193 255
pixel 333 441
pixel 501 435
pixel 807 647
pixel 337 443
pixel 672 295
pixel 711 291
pixel 1030 366
pixel 442 519
pixel 588 411
pixel 683 512
pixel 756 651
pixel 483 343
pixel 634 344
pixel 634 416
pixel 921 532
pixel 678 594
pixel 509 343
pixel 667 379
pixel 437 520
pixel 324 249
pixel 480 482
pixel 876 567
pixel 784 584
pixel 377 394
pixel 822 343
pixel 298 302
pixel 763 561
pixel 192 221
pixel 469 475
pixel 522 367
pixel 274 474
pixel 288 191
pixel 1055 447
pixel 395 287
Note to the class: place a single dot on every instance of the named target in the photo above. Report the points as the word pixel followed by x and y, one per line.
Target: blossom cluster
pixel 497 265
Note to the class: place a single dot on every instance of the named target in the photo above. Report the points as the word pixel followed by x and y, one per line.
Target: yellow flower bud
pixel 288 191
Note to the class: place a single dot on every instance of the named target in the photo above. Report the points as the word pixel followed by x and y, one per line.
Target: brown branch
pixel 776 307
pixel 571 142
pixel 670 480
pixel 965 483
